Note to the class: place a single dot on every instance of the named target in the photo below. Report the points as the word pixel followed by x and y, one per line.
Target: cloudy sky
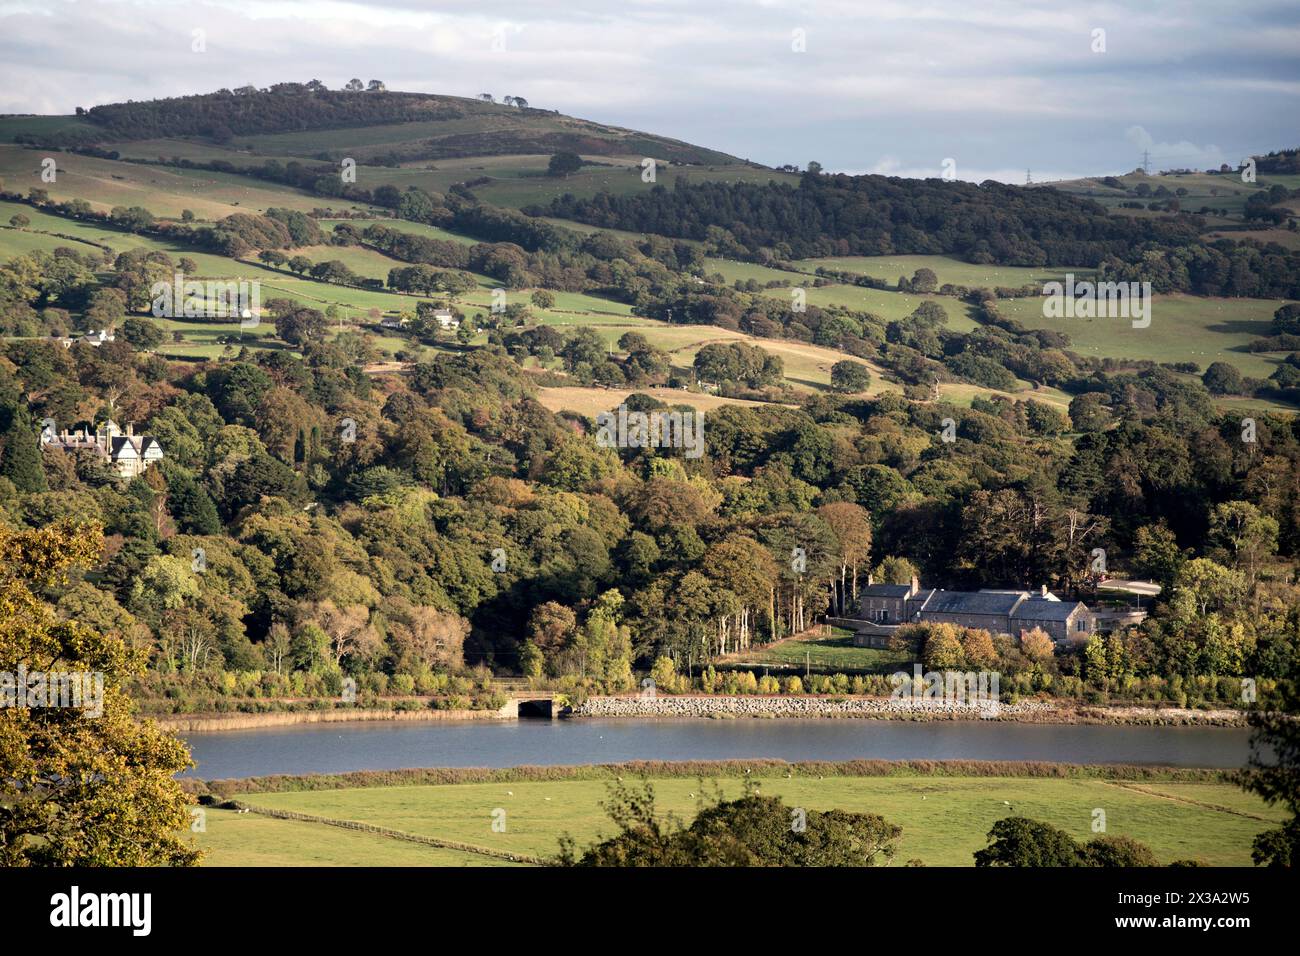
pixel 998 86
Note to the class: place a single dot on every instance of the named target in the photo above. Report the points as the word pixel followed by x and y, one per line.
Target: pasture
pixel 1183 328
pixel 948 269
pixel 945 819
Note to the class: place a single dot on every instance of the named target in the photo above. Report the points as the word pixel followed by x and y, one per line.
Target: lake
pixel 379 745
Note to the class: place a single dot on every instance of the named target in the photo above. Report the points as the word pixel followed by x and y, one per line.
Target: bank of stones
pixel 760 706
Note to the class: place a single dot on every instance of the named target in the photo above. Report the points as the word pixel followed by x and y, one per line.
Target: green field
pixel 833 653
pixel 1225 191
pixel 399 225
pixel 890 268
pixel 621 177
pixel 164 192
pixel 944 818
pixel 247 839
pixel 1183 328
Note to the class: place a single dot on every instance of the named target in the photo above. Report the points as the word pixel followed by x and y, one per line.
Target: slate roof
pixel 1040 610
pixel 972 602
pixel 885 590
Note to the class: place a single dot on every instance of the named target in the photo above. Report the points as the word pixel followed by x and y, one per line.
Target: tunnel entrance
pixel 540 709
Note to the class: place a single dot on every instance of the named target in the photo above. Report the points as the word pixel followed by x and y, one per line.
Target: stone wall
pixel 810 706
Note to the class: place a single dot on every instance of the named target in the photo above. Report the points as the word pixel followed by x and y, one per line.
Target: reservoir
pixel 381 745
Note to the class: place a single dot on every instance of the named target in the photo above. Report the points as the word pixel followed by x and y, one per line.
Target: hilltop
pixel 410 126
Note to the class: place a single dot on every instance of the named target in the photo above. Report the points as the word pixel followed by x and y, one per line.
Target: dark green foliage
pixel 1020 841
pixel 751 831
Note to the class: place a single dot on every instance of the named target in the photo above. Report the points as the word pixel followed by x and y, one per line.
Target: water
pixel 336 748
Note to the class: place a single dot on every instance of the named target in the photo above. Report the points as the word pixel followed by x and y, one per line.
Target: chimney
pixel 871 579
pixel 1043 591
pixel 916 584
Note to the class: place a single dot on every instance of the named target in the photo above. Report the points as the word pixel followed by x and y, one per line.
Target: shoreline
pixel 212 723
pixel 748 707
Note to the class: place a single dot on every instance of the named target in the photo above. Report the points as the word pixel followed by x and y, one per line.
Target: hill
pixel 301 119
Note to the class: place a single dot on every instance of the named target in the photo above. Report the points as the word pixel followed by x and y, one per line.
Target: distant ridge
pixel 440 126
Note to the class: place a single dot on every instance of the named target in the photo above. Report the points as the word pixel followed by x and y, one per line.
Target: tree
pixel 751 831
pixel 1037 645
pixel 141 333
pixel 924 280
pixel 543 299
pixel 1020 841
pixel 942 649
pixel 551 627
pixel 1208 586
pixel 19 221
pixel 1157 555
pixel 894 570
pixel 1223 379
pixel 851 525
pixel 1286 320
pixel 1273 771
pixel 847 377
pixel 20 450
pixel 79 788
pixel 348 629
pixel 562 164
pixel 1243 536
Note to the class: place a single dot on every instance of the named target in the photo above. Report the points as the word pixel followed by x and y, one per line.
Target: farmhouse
pixel 130 454
pixel 882 608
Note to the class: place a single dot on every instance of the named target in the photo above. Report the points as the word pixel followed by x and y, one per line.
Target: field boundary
pixel 391 834
pixel 1134 788
pixel 442 776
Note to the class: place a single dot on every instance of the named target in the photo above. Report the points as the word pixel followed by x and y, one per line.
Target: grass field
pixel 1183 328
pixel 592 401
pixel 400 225
pixel 247 839
pixel 945 819
pixel 833 653
pixel 1225 191
pixel 890 268
pixel 622 176
pixel 164 192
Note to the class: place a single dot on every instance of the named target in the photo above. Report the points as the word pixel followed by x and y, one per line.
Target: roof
pixel 1046 610
pixel 124 447
pixel 886 590
pixel 972 602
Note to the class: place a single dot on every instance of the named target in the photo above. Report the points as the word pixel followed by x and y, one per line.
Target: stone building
pixel 882 608
pixel 129 454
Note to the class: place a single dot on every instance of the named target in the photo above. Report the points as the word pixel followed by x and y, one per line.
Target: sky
pixel 1004 89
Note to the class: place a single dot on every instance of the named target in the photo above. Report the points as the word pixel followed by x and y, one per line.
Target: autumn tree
pixel 852 528
pixel 81 786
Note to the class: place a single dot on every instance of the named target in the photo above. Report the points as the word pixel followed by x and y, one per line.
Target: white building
pixel 129 453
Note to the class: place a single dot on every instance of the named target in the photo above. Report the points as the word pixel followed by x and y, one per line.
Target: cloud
pixel 1001 85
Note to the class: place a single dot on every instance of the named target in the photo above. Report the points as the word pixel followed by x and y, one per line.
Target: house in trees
pixel 129 454
pixel 883 608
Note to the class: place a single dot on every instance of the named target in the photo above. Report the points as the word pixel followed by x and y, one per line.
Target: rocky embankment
pixel 1035 711
pixel 755 706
